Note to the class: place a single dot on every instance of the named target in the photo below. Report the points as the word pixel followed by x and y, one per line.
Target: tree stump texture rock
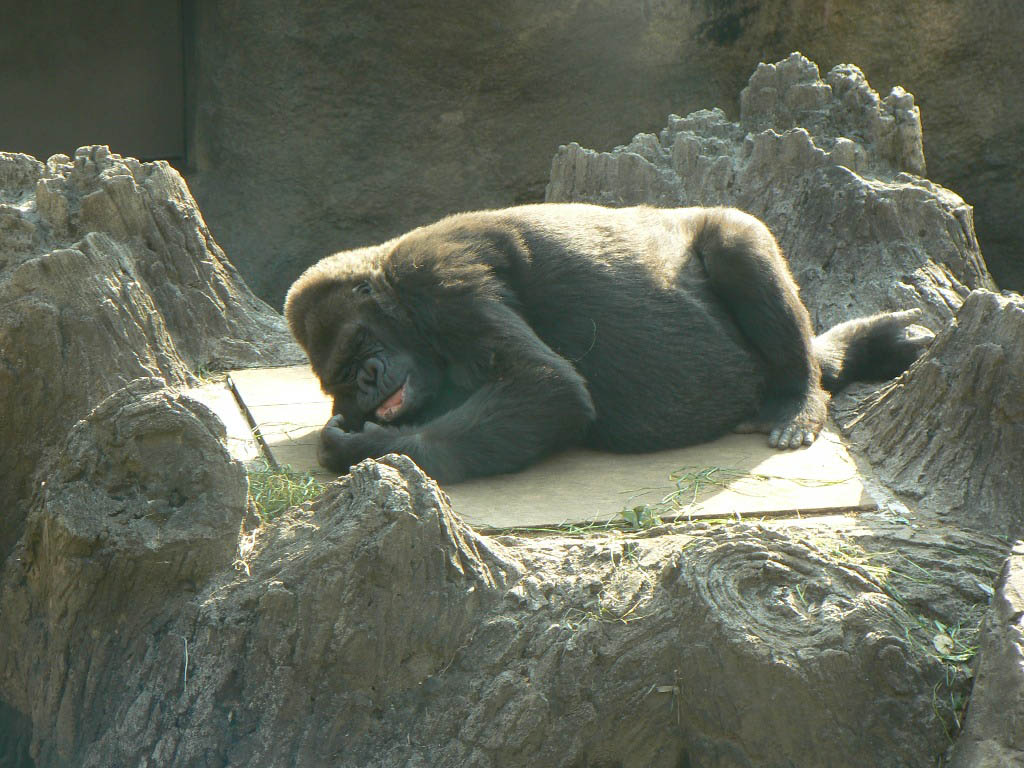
pixel 107 273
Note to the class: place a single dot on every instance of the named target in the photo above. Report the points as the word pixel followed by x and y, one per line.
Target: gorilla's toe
pixel 791 436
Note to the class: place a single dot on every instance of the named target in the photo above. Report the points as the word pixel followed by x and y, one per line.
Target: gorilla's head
pixel 362 345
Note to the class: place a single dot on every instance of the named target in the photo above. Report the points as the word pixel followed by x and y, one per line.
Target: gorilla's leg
pixel 749 274
pixel 873 348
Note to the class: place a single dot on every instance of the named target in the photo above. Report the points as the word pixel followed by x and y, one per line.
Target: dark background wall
pixel 309 127
pixel 101 72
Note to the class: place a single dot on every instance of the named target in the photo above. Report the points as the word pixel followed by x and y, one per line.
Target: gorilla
pixel 488 340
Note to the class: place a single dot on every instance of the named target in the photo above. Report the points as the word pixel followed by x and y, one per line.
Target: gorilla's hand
pixel 340 450
pixel 519 401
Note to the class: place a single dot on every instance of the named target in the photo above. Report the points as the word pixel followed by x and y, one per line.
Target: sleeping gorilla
pixel 482 343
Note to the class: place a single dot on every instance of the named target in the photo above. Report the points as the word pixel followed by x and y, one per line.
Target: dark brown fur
pixel 510 334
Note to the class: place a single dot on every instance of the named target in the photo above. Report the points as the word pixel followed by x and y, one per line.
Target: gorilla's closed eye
pixel 362 289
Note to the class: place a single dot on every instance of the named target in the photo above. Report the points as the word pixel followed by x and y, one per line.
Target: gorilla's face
pixel 367 358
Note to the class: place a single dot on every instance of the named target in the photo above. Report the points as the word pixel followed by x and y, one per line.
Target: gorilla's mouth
pixel 393 404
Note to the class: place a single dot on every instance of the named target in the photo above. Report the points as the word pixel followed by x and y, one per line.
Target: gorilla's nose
pixel 370 375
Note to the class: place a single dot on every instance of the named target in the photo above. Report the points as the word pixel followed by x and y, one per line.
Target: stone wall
pixel 318 127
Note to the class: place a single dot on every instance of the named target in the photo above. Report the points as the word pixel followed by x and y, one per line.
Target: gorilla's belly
pixel 666 371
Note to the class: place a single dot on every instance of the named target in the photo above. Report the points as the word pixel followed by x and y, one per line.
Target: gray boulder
pixel 949 433
pixel 994 734
pixel 136 513
pixel 830 166
pixel 373 627
pixel 107 273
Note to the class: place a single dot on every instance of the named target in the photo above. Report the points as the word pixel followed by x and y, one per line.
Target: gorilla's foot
pixel 790 422
pixel 795 434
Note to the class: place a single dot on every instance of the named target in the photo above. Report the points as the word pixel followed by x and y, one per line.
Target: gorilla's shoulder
pixel 541 218
pixel 518 229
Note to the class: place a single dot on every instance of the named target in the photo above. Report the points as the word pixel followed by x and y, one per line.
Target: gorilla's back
pixel 622 294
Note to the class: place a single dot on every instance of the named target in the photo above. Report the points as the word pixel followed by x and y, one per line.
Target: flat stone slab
pixel 287 410
pixel 736 476
pixel 219 398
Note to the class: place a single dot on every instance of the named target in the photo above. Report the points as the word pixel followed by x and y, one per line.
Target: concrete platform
pixel 738 475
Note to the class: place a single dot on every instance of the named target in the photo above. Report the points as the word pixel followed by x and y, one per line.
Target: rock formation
pixel 808 156
pixel 107 273
pixel 949 434
pixel 140 508
pixel 994 735
pixel 373 626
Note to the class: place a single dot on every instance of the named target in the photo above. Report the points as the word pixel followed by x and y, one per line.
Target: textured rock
pixel 829 166
pixel 140 221
pixel 372 627
pixel 107 273
pixel 328 616
pixel 949 433
pixel 138 510
pixel 994 734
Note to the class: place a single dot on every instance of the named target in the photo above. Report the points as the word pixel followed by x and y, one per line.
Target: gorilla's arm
pixel 527 403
